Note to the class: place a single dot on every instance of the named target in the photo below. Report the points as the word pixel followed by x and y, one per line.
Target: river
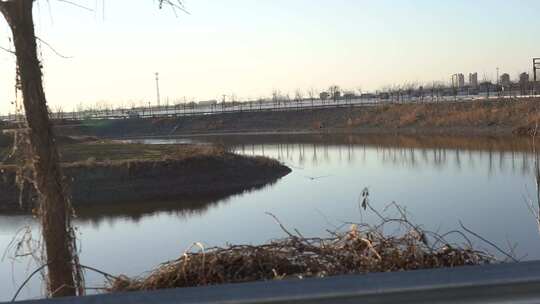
pixel 482 182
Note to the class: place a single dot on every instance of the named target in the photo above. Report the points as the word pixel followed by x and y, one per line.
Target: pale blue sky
pixel 249 47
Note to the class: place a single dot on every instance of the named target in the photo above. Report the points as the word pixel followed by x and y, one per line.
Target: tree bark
pixel 54 204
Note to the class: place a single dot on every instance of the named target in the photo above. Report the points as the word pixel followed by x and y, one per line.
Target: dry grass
pixel 499 114
pixel 361 249
pixel 111 152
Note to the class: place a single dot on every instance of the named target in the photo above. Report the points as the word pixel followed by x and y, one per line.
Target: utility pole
pixel 157 89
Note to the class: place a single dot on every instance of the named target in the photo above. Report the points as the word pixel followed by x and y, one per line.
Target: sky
pixel 251 47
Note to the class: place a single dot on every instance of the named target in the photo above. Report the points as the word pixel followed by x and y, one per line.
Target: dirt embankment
pixel 108 182
pixel 465 118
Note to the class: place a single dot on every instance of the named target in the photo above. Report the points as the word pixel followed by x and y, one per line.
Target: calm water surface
pixel 482 182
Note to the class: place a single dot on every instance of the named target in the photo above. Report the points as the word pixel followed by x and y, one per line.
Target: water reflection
pixel 513 158
pixel 184 208
pixel 441 180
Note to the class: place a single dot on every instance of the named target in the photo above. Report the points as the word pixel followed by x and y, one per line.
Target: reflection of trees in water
pixel 534 202
pixel 490 162
pixel 184 208
pixel 315 160
pixel 502 163
pixel 326 155
pixel 525 164
pixel 471 159
pixel 457 158
pixel 301 155
pixel 508 161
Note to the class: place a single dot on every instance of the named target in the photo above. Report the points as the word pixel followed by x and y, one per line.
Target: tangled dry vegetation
pixel 360 249
pixel 503 114
pixel 111 152
pixel 76 151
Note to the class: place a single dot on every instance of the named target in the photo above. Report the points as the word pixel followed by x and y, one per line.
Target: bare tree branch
pixel 52 49
pixel 174 5
pixel 7 50
pixel 76 5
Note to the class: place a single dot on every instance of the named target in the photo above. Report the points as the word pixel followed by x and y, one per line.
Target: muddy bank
pixel 503 117
pixel 139 181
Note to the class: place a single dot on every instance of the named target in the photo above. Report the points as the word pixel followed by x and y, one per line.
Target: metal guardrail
pixel 252 107
pixel 173 111
pixel 505 283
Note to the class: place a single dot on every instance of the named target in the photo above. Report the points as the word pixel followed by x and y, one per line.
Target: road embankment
pixel 502 117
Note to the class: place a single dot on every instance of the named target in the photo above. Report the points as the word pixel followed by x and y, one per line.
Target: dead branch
pixel 108 276
pixel 7 50
pixel 76 5
pixel 488 242
pixel 53 49
pixel 280 225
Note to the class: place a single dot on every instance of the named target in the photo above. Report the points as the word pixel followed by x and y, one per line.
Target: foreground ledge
pixel 472 284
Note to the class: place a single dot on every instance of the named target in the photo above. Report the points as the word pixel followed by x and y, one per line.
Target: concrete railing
pixel 506 283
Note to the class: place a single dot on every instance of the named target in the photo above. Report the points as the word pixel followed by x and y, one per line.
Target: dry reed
pixel 360 249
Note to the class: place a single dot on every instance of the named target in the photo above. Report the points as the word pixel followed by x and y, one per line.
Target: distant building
pixel 505 80
pixel 473 80
pixel 460 80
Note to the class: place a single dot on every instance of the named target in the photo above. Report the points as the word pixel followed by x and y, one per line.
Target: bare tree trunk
pixel 55 209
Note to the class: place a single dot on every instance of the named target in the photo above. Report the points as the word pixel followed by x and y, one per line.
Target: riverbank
pixel 123 173
pixel 494 118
